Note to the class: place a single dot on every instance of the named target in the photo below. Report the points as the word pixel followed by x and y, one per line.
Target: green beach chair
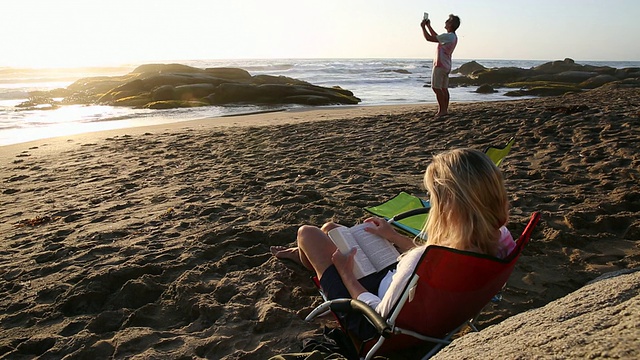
pixel 408 213
pixel 498 154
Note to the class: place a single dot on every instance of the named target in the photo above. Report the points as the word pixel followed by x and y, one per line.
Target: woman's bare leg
pixel 329 226
pixel 314 240
pixel 315 248
pixel 283 252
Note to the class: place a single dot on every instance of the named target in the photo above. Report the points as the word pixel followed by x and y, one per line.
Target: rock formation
pixel 600 320
pixel 161 86
pixel 552 78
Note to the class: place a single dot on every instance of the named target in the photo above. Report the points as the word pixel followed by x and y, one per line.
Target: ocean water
pixel 375 81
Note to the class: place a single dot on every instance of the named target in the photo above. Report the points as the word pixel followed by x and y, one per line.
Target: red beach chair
pixel 448 290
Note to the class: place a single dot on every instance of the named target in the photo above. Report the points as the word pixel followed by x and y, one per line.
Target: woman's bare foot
pixel 283 252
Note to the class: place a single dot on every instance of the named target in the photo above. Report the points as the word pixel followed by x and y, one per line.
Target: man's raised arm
pixel 428 32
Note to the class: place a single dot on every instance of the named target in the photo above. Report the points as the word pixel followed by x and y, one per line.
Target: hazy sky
pixel 98 32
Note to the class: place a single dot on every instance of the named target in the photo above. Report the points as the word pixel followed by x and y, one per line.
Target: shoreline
pixel 154 242
pixel 258 118
pixel 254 118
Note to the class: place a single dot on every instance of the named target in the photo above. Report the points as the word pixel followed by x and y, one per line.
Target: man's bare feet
pixel 439 115
pixel 283 252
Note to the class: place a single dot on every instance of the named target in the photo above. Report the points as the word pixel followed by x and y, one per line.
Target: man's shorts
pixel 439 78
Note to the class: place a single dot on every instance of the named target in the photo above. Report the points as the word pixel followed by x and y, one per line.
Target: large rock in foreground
pixel 161 86
pixel 600 320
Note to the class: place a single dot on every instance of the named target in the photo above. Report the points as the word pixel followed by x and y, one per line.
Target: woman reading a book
pixel 469 208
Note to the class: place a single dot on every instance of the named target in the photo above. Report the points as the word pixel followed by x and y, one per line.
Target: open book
pixel 374 253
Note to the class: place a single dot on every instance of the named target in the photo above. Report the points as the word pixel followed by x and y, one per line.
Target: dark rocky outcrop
pixel 486 89
pixel 397 71
pixel 469 68
pixel 549 79
pixel 162 86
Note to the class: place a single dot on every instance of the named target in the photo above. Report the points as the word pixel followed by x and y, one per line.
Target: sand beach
pixel 154 242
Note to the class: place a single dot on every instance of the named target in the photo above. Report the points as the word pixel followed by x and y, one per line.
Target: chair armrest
pixel 410 213
pixel 353 306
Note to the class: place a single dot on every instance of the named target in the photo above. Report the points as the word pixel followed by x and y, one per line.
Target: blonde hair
pixel 468 201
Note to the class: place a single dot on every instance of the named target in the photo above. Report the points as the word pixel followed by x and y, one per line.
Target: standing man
pixel 442 63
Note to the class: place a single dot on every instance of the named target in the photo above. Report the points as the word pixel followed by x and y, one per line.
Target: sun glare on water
pixel 64 121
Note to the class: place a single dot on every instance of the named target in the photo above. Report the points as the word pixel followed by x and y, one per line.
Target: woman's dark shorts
pixel 334 288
